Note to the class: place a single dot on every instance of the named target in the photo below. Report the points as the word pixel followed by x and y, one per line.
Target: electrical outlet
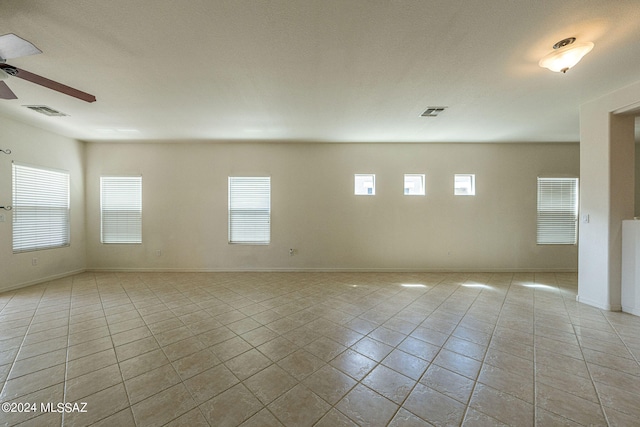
pixel 158 253
pixel 1 217
pixel 34 261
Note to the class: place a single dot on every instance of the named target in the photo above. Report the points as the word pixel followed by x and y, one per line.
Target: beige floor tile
pixel 404 418
pixel 264 418
pixel 140 364
pixel 37 349
pixel 574 384
pixel 136 348
pixel 335 418
pixel 231 348
pixel 53 393
pixel 151 382
pixel 277 348
pixel 247 364
pixel 353 364
pixel 458 363
pixel 569 406
pixel 99 405
pixel 299 406
pixel 183 348
pixel 301 364
pixel 106 325
pixel 163 407
pixel 503 406
pixel 475 418
pixel 32 382
pixel 232 407
pixel 419 348
pixel 330 384
pixel 270 383
pixel 193 418
pixel 389 383
pixel 259 335
pixel 406 364
pixel 123 418
pixel 619 399
pixel 366 407
pixel 448 383
pixel 92 382
pixel 210 383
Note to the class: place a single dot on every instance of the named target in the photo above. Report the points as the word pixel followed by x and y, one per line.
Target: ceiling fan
pixel 12 46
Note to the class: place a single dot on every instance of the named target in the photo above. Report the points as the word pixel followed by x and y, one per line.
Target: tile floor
pixel 324 349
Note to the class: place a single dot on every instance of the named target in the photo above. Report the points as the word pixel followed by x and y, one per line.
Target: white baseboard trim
pixel 332 270
pixel 43 280
pixel 597 304
pixel 631 310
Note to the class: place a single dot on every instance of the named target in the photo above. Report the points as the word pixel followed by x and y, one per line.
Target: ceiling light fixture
pixel 565 55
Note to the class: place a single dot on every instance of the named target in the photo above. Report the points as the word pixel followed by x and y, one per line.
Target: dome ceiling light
pixel 565 55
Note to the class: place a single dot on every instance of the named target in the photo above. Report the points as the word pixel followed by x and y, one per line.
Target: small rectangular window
pixel 557 211
pixel 121 209
pixel 365 184
pixel 40 208
pixel 464 185
pixel 250 210
pixel 414 185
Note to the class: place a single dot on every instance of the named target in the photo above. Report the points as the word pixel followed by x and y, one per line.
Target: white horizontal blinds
pixel 250 210
pixel 121 209
pixel 557 211
pixel 40 208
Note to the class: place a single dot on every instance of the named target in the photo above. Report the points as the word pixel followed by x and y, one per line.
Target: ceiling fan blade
pixel 12 46
pixel 5 92
pixel 53 85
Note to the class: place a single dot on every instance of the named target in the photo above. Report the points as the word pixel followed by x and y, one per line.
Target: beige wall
pixel 39 148
pixel 607 127
pixel 315 212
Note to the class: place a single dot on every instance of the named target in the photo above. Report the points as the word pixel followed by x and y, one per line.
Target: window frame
pixel 423 190
pixel 472 177
pixel 356 186
pixel 124 226
pixel 41 197
pixel 241 224
pixel 562 219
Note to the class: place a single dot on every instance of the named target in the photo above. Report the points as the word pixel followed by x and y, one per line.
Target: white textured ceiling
pixel 318 70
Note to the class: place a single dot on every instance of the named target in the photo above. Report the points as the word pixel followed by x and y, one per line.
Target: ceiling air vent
pixel 432 111
pixel 47 111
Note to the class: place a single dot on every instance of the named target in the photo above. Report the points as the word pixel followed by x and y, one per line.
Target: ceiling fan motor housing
pixel 12 71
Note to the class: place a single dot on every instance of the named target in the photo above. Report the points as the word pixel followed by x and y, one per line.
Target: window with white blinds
pixel 557 211
pixel 121 209
pixel 40 208
pixel 250 210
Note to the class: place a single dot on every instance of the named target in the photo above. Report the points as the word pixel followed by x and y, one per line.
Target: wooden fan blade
pixel 53 85
pixel 5 92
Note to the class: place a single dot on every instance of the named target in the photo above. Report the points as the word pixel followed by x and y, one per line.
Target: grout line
pixel 482 363
pixel 593 384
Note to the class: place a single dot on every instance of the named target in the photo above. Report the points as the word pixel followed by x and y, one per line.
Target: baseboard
pixel 333 270
pixel 42 280
pixel 631 310
pixel 597 304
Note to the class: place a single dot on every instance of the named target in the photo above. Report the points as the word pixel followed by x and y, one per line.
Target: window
pixel 365 184
pixel 557 211
pixel 413 185
pixel 250 210
pixel 121 209
pixel 40 208
pixel 464 185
